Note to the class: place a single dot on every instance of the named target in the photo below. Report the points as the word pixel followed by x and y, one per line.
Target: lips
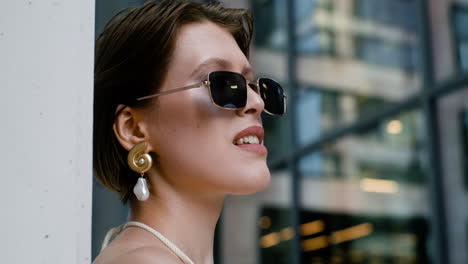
pixel 251 139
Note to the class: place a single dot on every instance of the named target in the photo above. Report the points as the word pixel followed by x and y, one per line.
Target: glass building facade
pixel 370 165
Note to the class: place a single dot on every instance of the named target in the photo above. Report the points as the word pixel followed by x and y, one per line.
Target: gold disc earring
pixel 140 162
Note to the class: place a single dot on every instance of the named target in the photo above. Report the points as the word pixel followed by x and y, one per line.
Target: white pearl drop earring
pixel 140 162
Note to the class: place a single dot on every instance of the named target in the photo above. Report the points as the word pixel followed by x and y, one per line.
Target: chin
pixel 252 182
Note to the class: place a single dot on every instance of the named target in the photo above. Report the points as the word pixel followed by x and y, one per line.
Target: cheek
pixel 214 167
pixel 181 117
pixel 193 142
pixel 188 129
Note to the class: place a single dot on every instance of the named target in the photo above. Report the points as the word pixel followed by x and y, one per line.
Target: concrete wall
pixel 46 82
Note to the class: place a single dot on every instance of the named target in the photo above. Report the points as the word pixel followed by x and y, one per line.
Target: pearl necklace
pixel 163 239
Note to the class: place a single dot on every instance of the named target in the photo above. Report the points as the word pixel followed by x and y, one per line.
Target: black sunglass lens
pixel 228 89
pixel 273 95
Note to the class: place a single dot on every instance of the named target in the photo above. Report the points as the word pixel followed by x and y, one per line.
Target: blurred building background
pixel 370 165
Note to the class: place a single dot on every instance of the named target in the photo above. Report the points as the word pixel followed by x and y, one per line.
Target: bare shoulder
pixel 141 255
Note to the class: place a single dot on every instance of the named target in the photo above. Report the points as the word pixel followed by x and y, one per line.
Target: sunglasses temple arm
pixel 173 91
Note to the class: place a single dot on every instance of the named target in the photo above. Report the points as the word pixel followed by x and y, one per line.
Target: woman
pixel 177 125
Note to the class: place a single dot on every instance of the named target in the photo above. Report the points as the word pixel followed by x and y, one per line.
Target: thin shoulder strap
pixel 167 242
pixel 112 232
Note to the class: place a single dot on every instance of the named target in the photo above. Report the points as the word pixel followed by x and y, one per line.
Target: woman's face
pixel 195 140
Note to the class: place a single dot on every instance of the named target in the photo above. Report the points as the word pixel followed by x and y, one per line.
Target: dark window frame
pixel 463 121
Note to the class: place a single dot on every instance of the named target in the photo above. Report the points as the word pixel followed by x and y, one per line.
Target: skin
pixel 195 163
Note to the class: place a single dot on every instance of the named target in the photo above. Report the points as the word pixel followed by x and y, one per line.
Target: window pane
pixel 367 194
pixel 275 235
pixel 399 13
pixel 276 135
pixel 354 57
pixel 460 19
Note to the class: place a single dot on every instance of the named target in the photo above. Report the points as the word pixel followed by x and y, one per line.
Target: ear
pixel 129 128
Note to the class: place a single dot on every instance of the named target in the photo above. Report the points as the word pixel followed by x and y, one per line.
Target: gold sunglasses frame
pixel 207 84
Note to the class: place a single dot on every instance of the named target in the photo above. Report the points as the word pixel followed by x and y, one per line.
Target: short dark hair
pixel 132 58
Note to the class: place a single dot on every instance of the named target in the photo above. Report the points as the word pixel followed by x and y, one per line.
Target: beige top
pixel 167 242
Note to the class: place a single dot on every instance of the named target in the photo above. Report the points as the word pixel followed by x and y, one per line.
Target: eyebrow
pixel 219 62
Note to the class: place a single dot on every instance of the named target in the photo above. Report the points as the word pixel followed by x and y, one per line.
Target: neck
pixel 187 219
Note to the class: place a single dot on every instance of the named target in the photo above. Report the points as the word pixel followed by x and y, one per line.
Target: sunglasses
pixel 228 90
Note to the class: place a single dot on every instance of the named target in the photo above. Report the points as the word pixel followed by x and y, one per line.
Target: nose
pixel 255 104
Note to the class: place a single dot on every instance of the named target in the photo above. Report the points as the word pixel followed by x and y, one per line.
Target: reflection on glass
pixel 354 57
pixel 271 22
pixel 391 150
pixel 368 193
pixel 345 238
pixel 399 13
pixel 393 40
pixel 275 239
pixel 375 50
pixel 320 111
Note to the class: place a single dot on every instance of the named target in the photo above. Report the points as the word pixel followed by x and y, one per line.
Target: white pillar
pixel 46 96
